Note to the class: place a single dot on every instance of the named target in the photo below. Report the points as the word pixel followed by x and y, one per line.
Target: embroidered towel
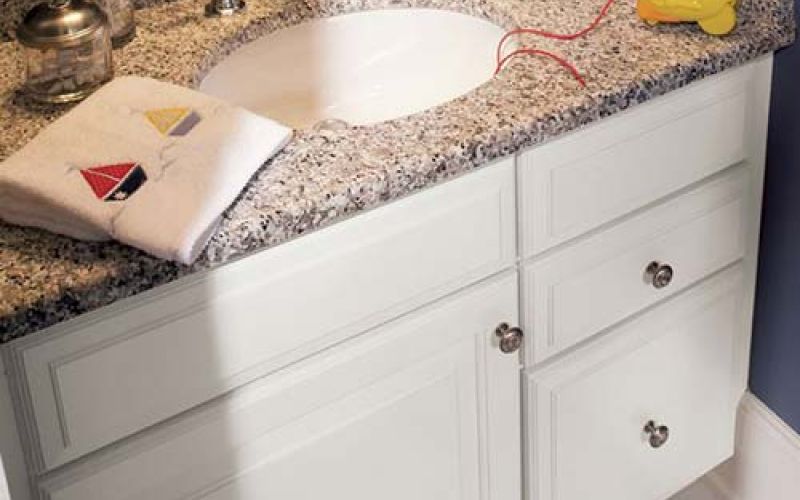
pixel 149 164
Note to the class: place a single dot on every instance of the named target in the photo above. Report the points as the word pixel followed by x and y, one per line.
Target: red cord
pixel 563 62
pixel 556 36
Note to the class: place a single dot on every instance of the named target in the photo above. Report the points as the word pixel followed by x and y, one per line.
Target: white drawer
pixel 579 291
pixel 674 366
pixel 92 381
pixel 393 415
pixel 591 177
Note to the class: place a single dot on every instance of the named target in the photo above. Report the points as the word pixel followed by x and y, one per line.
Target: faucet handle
pixel 224 7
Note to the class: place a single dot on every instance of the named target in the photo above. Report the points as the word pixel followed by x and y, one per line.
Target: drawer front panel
pixel 674 367
pixel 594 176
pixel 587 287
pixel 392 415
pixel 111 374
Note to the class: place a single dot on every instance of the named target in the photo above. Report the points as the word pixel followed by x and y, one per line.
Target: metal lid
pixel 61 23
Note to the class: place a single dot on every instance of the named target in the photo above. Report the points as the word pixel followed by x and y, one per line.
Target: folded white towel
pixel 146 163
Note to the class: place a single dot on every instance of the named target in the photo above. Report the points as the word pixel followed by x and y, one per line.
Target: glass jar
pixel 123 24
pixel 67 47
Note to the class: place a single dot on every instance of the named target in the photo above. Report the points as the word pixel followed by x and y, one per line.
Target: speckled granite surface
pixel 320 178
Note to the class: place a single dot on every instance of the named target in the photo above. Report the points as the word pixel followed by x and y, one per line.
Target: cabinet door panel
pixel 674 366
pixel 427 408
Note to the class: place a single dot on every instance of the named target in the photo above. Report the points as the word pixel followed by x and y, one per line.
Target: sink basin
pixel 361 68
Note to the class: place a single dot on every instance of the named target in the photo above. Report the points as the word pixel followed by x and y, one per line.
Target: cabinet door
pixel 425 408
pixel 646 411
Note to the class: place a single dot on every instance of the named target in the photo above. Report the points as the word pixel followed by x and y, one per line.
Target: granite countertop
pixel 323 177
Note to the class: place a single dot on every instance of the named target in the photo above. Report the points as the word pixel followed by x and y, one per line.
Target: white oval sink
pixel 362 68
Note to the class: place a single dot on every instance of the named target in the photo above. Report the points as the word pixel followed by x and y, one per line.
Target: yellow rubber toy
pixel 715 17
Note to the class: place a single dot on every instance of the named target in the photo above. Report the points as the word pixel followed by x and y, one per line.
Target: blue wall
pixel 775 375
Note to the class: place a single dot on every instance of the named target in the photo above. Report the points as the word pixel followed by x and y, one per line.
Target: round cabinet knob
pixel 659 275
pixel 510 338
pixel 657 435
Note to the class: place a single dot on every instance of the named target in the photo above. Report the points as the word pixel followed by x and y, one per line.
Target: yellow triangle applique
pixel 166 118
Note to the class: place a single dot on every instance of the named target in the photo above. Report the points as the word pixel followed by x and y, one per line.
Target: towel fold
pixel 149 164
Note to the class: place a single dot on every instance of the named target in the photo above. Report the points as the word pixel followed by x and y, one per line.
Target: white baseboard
pixel 767 461
pixel 4 495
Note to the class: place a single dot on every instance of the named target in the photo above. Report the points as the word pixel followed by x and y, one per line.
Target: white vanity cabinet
pixel 425 408
pixel 638 329
pixel 381 357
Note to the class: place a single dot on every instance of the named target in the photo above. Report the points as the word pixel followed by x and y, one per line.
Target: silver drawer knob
pixel 658 435
pixel 510 338
pixel 659 275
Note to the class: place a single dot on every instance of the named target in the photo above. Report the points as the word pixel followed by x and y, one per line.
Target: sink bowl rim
pixel 228 45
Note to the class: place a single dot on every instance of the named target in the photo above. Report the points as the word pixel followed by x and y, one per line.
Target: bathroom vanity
pixel 536 291
pixel 566 323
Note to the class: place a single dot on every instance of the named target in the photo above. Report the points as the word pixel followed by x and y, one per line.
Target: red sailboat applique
pixel 115 182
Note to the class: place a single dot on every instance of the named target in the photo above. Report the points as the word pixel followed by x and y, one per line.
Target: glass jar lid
pixel 61 23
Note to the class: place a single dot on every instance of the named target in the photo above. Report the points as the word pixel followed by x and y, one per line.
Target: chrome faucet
pixel 224 7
